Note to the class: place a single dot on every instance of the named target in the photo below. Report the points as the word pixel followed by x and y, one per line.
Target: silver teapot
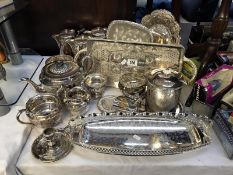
pixel 55 75
pixel 163 90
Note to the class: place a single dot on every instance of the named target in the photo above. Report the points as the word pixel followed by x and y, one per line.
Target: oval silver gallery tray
pixel 141 134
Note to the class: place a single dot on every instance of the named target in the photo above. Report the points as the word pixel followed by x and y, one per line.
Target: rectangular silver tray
pixel 142 133
pixel 114 58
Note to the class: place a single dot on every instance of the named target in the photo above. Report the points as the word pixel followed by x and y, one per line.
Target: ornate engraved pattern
pixel 114 59
pixel 142 134
pixel 121 30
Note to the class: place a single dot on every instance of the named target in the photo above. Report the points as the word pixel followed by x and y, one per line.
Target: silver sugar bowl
pixel 163 91
pixel 43 110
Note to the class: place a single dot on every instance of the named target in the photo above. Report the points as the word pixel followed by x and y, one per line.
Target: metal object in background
pixel 11 44
pixel 4 108
pixel 141 134
pixel 2 72
pixel 61 38
pixel 52 145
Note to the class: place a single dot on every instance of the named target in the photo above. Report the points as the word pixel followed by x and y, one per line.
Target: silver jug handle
pixel 77 55
pixel 18 117
pixel 83 60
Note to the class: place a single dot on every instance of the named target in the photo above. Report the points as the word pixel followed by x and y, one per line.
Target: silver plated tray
pixel 115 58
pixel 141 134
pixel 128 31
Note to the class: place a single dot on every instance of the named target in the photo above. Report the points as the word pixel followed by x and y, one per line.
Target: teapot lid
pixel 167 79
pixel 52 145
pixel 59 72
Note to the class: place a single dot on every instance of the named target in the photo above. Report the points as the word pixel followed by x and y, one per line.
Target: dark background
pixel 35 24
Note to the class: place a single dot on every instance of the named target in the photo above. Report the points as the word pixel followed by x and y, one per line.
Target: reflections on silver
pixel 141 133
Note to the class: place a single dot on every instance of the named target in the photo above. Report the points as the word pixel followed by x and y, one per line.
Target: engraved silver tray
pixel 128 31
pixel 115 58
pixel 141 134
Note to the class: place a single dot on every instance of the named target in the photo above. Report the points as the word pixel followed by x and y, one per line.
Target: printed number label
pixel 132 62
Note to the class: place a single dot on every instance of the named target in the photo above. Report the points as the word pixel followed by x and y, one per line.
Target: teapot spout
pixel 37 87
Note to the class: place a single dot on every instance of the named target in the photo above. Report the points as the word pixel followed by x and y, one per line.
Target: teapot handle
pixel 18 117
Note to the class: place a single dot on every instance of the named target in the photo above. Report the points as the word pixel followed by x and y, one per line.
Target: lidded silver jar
pixel 163 91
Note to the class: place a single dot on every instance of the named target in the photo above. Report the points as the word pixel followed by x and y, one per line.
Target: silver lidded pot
pixel 163 90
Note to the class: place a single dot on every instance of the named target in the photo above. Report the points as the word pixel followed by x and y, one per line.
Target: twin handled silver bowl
pixel 43 110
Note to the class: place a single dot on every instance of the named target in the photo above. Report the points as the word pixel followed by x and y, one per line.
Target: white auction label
pixel 132 62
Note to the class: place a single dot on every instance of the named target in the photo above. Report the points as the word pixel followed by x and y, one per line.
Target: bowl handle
pixel 18 117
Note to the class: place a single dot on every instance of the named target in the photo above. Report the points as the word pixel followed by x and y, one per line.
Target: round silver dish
pixel 52 145
pixel 106 104
pixel 43 110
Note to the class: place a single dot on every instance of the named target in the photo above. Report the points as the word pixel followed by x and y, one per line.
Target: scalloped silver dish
pixel 141 134
pixel 159 18
pixel 122 30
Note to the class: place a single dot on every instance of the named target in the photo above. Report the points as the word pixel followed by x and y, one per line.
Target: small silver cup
pixel 95 83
